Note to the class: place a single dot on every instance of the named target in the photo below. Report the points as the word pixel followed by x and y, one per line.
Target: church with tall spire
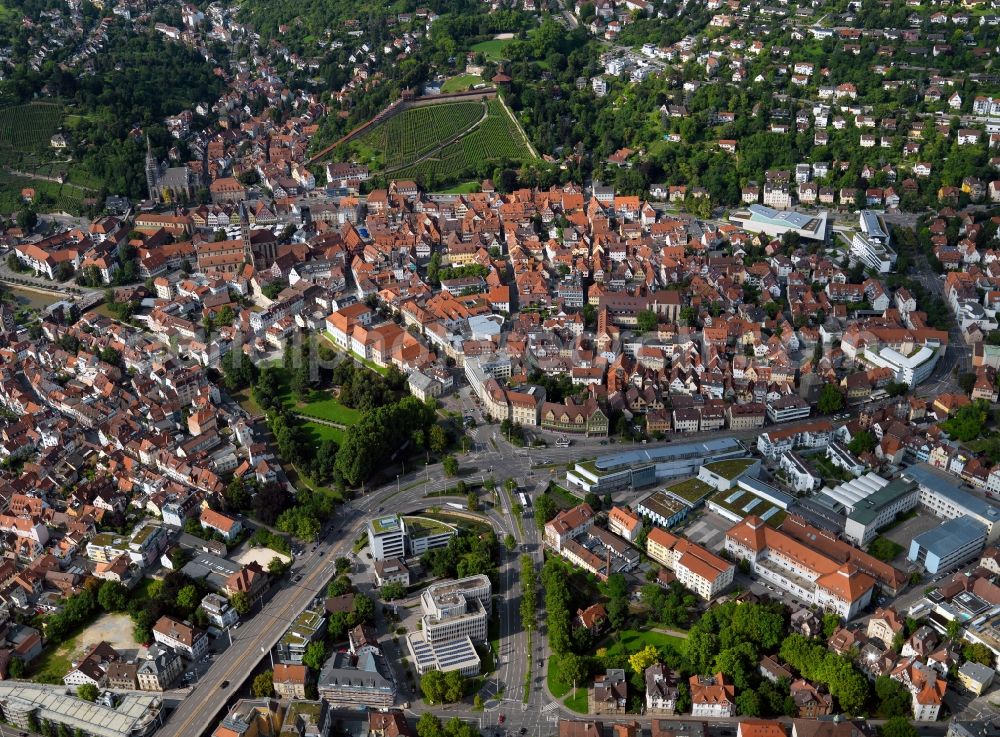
pixel 168 184
pixel 260 247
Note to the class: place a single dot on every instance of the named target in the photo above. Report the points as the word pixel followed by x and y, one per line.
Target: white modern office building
pixel 635 469
pixel 871 244
pixel 397 536
pixel 387 537
pixel 911 369
pixel 455 617
pixel 775 223
pixel 456 609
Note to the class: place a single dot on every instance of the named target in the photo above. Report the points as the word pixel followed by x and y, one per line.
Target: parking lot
pixel 906 531
pixel 708 529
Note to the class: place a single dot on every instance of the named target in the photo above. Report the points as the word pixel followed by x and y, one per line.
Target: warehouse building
pixel 939 493
pixel 125 715
pixel 870 514
pixel 949 545
pixel 636 469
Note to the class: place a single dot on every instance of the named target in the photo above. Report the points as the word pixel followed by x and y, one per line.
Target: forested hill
pixel 312 21
pixel 13 31
pixel 137 80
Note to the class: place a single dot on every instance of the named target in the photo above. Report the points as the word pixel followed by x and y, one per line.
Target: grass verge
pixel 527 674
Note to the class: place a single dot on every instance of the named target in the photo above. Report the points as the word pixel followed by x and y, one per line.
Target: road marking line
pixel 237 666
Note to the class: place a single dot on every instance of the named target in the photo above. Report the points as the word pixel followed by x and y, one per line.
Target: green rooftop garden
pixel 385 524
pixel 312 709
pixel 691 490
pixel 303 628
pixel 106 539
pixel 746 503
pixel 591 466
pixel 730 469
pixel 424 526
pixel 142 535
pixel 309 619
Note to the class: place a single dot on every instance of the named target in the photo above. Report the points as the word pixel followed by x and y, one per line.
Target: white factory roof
pixel 132 715
pixel 849 493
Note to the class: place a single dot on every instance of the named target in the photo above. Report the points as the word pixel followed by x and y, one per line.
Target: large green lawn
pixel 322 432
pixel 461 83
pixel 323 406
pixel 492 49
pixel 630 641
pixel 463 188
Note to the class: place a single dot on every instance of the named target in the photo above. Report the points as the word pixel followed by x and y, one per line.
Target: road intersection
pixel 205 704
pixel 536 714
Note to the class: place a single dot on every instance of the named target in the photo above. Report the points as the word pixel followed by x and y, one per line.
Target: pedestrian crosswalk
pixel 551 706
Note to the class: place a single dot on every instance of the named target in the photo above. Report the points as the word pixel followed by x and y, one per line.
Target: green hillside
pixel 441 142
pixel 27 128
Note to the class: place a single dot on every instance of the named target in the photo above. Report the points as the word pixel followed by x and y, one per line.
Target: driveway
pixel 906 531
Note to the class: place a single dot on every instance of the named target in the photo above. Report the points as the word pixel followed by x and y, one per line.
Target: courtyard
pixel 260 556
pixel 115 629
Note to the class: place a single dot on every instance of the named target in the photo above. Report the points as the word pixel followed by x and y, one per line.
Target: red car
pixel 503 718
